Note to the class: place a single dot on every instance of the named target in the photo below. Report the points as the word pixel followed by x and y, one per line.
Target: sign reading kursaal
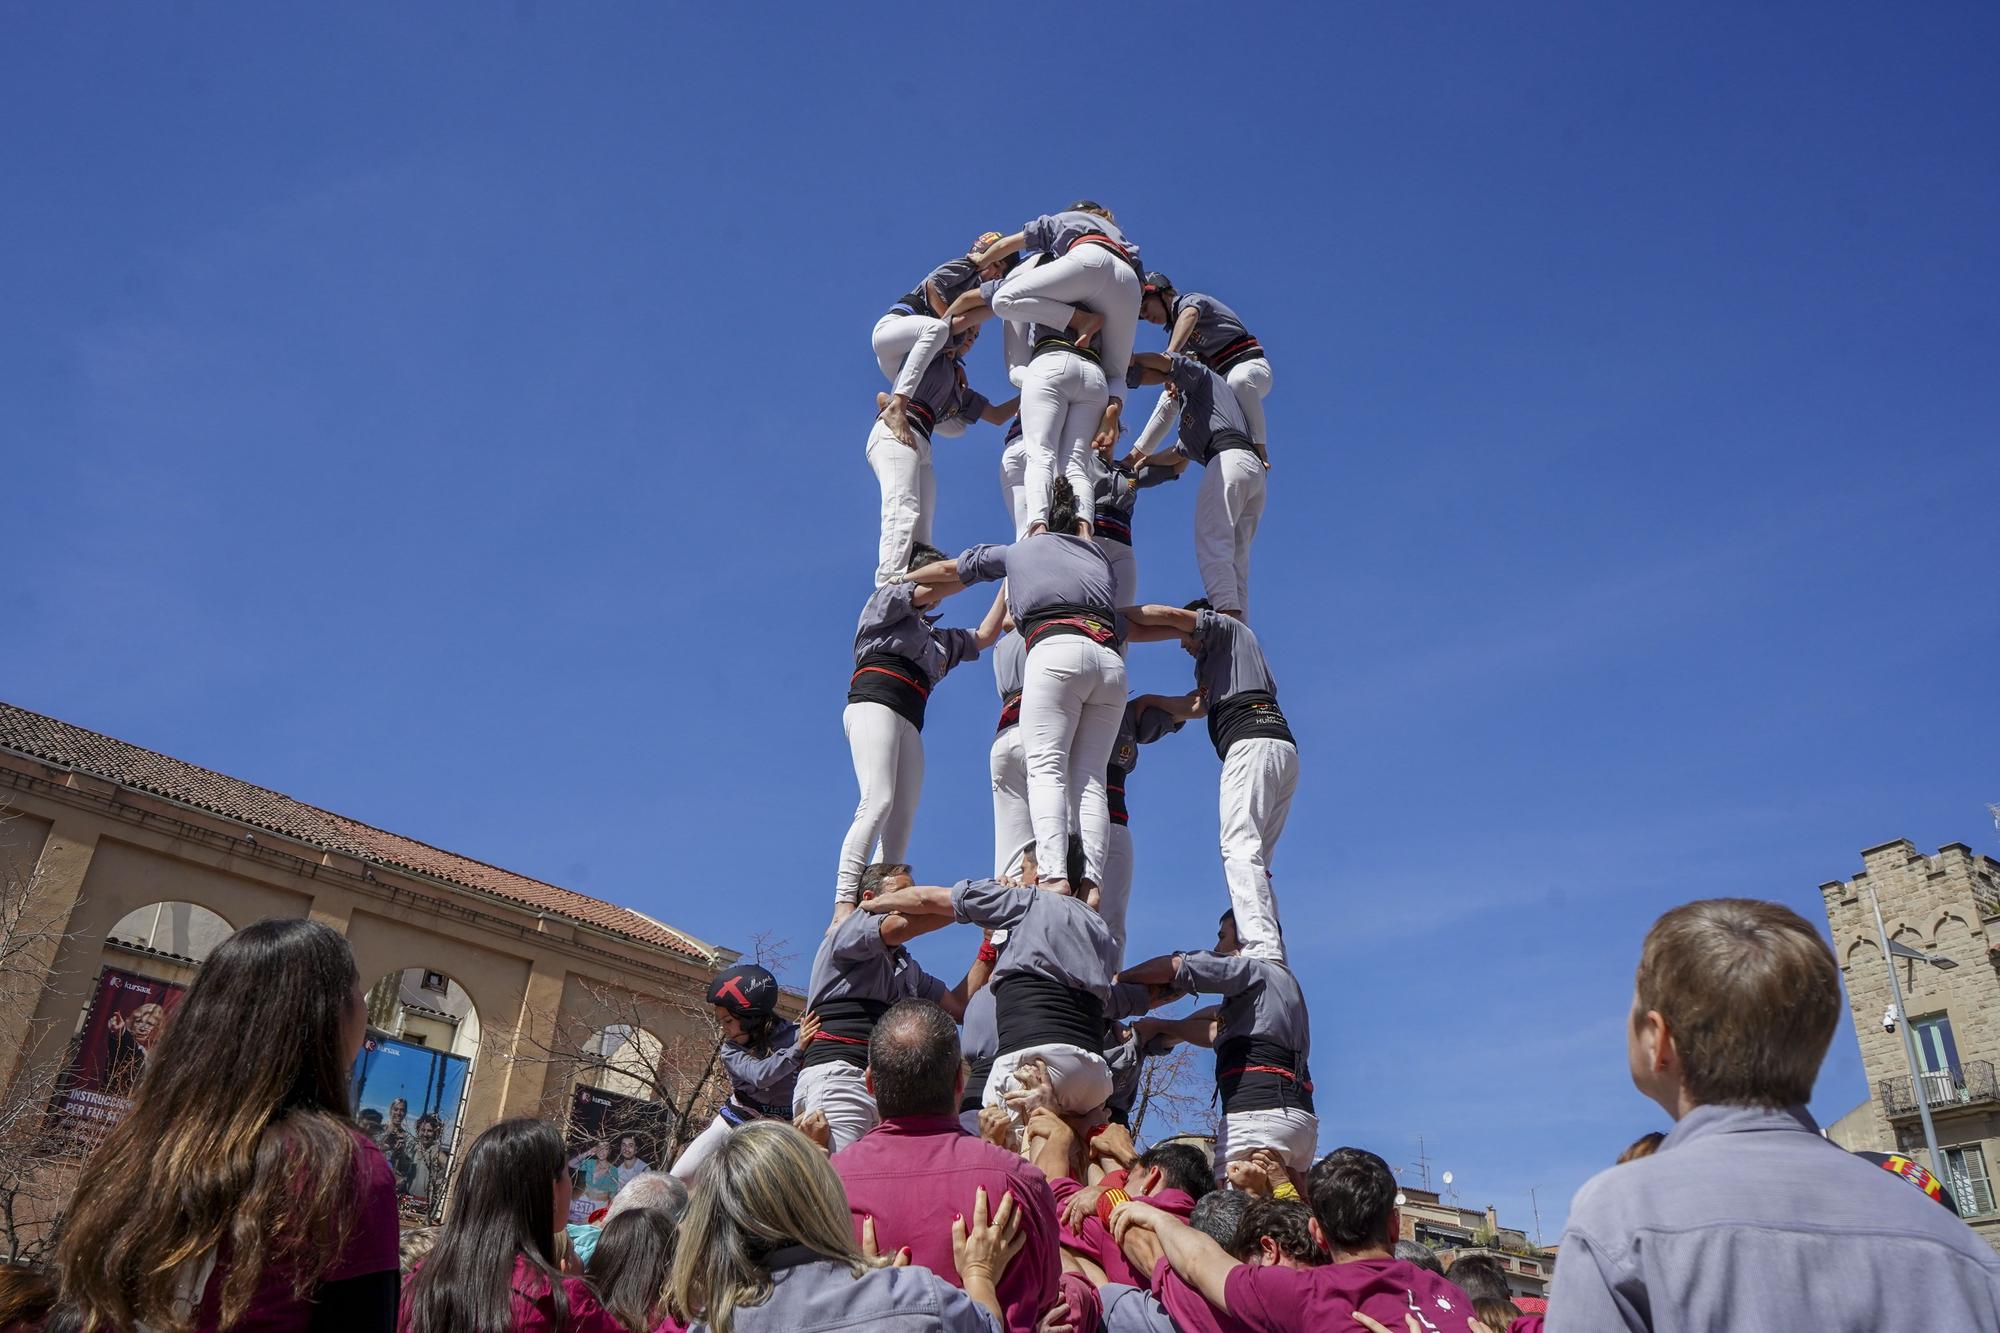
pixel 407 1099
pixel 127 1016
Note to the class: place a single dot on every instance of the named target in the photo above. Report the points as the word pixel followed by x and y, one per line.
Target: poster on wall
pixel 121 1031
pixel 407 1098
pixel 612 1138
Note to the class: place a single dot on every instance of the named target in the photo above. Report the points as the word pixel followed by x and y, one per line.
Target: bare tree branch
pixel 1173 1092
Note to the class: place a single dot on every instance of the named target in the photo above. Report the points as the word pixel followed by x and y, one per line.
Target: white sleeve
pixel 1159 426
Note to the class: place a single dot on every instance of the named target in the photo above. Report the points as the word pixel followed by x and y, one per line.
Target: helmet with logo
pixel 1160 285
pixel 746 990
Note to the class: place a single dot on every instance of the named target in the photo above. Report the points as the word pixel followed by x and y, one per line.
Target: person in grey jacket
pixel 767 1247
pixel 1747 1217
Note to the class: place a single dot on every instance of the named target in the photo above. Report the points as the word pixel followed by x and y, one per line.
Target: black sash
pixel 1010 711
pixel 1035 1011
pixel 893 681
pixel 1249 715
pixel 1114 524
pixel 1092 622
pixel 1246 348
pixel 1254 1074
pixel 1222 441
pixel 1114 793
pixel 844 1028
pixel 1059 343
pixel 975 1085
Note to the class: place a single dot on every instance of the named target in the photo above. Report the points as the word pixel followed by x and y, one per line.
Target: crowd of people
pixel 918 1153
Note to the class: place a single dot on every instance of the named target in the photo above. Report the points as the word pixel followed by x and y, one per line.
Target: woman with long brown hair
pixel 237 1192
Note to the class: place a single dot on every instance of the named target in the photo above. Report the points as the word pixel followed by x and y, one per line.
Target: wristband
pixel 987 953
pixel 1284 1189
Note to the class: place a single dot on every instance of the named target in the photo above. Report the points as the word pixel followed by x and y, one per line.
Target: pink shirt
pixel 535 1308
pixel 1281 1300
pixel 916 1174
pixel 371 1248
pixel 1188 1308
pixel 1094 1242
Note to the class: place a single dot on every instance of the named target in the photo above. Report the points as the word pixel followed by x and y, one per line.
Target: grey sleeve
pixel 982 564
pixel 989 903
pixel 1127 999
pixel 959 1313
pixel 1040 233
pixel 1214 973
pixel 1593 1293
pixel 758 1071
pixel 1132 376
pixel 1153 723
pixel 960 645
pixel 1152 475
pixel 1214 629
pixel 970 408
pixel 1187 372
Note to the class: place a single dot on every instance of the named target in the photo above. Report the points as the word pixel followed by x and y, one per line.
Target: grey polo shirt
pixel 854 964
pixel 1047 569
pixel 1747 1219
pixel 810 1294
pixel 1228 658
pixel 892 623
pixel 1049 935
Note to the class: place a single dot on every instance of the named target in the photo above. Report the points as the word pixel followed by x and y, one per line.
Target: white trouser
pixel 909 498
pixel 1293 1134
pixel 1080 1078
pixel 1072 700
pixel 840 1092
pixel 1012 829
pixel 1124 569
pixel 1226 511
pixel 1014 483
pixel 1114 891
pixel 1091 277
pixel 1251 382
pixel 699 1151
pixel 1062 403
pixel 1258 779
pixel 889 766
pixel 905 344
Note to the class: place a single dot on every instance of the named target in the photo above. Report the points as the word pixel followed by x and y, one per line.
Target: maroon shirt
pixel 1094 1242
pixel 1281 1300
pixel 916 1174
pixel 535 1308
pixel 1189 1309
pixel 371 1247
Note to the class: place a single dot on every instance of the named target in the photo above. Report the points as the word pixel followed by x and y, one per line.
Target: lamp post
pixel 1890 952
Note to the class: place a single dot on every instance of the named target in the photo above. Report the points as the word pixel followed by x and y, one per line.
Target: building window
pixel 1966 1168
pixel 435 981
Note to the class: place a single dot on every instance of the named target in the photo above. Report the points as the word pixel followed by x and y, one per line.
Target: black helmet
pixel 746 990
pixel 1160 285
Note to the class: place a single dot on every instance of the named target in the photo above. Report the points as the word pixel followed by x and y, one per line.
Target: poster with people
pixel 407 1099
pixel 122 1029
pixel 612 1138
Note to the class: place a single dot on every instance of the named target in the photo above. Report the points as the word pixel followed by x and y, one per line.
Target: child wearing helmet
pixel 1212 334
pixel 760 1055
pixel 917 327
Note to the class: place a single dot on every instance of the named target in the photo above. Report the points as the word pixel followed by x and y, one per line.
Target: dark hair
pixel 1183 1165
pixel 1199 604
pixel 923 553
pixel 1217 1214
pixel 873 874
pixel 629 1267
pixel 1285 1221
pixel 1353 1197
pixel 1643 1146
pixel 27 1295
pixel 1088 206
pixel 913 1060
pixel 1495 1313
pixel 1420 1254
pixel 228 1140
pixel 505 1210
pixel 1481 1277
pixel 1750 994
pixel 1062 514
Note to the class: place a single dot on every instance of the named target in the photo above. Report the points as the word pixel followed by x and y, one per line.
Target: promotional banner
pixel 407 1098
pixel 612 1138
pixel 127 1015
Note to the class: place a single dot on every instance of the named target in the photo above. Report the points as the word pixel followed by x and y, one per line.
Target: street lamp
pixel 1890 952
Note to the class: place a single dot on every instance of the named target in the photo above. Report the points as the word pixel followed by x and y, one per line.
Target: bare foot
pixel 898 422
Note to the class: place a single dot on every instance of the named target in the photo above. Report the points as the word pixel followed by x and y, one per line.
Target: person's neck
pixel 1365 1252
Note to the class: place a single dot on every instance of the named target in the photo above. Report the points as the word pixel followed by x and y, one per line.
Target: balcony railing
pixel 1974 1083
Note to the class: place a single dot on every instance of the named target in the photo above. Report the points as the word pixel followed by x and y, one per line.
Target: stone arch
pixel 1863 947
pixel 1944 919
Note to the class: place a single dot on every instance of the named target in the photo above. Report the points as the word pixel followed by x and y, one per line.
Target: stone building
pixel 1945 906
pixel 1453 1231
pixel 143 863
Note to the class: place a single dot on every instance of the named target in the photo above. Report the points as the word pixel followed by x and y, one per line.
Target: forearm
pixel 1153 972
pixel 981 1287
pixel 935 297
pixel 999 414
pixel 968 985
pixel 1202 1263
pixel 1003 248
pixel 937 573
pixel 916 900
pixel 991 628
pixel 1183 330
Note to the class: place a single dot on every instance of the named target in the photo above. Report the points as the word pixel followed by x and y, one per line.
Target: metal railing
pixel 1974 1082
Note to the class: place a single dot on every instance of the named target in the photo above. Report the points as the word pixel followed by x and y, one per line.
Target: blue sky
pixel 454 416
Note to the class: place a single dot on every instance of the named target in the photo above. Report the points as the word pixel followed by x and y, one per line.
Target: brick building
pixel 1453 1231
pixel 141 863
pixel 1948 906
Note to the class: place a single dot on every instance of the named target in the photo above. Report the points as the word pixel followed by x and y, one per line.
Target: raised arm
pixel 1158 429
pixel 1004 248
pixel 995 624
pixel 1147 368
pixel 1153 972
pixel 1202 1263
pixel 968 310
pixel 1153 623
pixel 1183 330
pixel 938 574
pixel 999 414
pixel 954 1000
pixel 1185 707
pixel 915 900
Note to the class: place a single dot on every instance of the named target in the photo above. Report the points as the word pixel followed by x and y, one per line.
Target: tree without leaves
pixel 1173 1092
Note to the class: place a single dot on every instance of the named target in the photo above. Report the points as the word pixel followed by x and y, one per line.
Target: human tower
pixel 1052 1015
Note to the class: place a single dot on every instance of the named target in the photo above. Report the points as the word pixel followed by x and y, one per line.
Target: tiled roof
pixel 100 756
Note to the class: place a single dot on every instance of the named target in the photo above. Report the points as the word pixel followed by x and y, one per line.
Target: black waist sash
pixel 1093 622
pixel 1222 441
pixel 844 1028
pixel 893 681
pixel 975 1084
pixel 1114 793
pixel 1057 343
pixel 1246 348
pixel 1255 1074
pixel 1249 715
pixel 746 1103
pixel 1035 1011
pixel 919 414
pixel 1010 711
pixel 1114 524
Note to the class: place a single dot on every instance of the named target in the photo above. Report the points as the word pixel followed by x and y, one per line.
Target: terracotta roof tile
pixel 72 747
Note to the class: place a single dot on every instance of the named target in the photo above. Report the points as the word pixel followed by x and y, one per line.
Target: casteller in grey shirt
pixel 1747 1219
